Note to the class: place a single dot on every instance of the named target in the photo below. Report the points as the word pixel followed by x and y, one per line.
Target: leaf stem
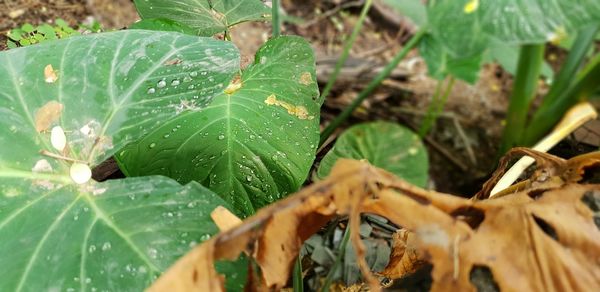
pixel 561 96
pixel 437 106
pixel 372 86
pixel 275 19
pixel 338 260
pixel 298 282
pixel 346 52
pixel 524 90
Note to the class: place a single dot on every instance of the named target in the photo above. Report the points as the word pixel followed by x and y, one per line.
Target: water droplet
pixel 152 252
pixel 221 137
pixel 151 90
pixel 175 82
pixel 248 178
pixel 193 74
pixel 92 248
pixel 152 145
pixel 106 246
pixel 161 84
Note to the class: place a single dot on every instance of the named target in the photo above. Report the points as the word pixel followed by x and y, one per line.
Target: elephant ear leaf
pixel 206 17
pixel 67 105
pixel 255 143
pixel 385 145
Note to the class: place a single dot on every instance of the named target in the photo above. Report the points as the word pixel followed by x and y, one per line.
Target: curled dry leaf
pixel 540 239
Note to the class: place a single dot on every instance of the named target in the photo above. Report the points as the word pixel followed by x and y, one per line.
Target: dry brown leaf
pixel 541 239
pixel 47 115
pixel 224 219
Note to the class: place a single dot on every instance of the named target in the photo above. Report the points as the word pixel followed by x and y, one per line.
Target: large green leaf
pixel 440 63
pixel 468 31
pixel 385 145
pixel 104 90
pixel 415 10
pixel 251 146
pixel 207 17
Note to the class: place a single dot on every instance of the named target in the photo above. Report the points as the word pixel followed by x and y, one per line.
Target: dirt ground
pixel 462 145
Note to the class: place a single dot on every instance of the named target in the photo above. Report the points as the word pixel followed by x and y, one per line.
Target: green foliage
pixel 28 34
pixel 256 141
pixel 465 31
pixel 384 144
pixel 115 235
pixel 206 17
pixel 162 24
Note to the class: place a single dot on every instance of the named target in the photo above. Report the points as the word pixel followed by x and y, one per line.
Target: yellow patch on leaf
pixel 306 79
pixel 234 86
pixel 471 6
pixel 296 110
pixel 50 75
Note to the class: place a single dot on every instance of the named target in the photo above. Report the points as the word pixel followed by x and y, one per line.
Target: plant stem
pixel 338 260
pixel 275 19
pixel 436 107
pixel 544 118
pixel 524 90
pixel 372 86
pixel 346 51
pixel 588 80
pixel 297 279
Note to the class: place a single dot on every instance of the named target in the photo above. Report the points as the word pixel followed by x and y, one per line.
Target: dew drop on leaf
pixel 161 84
pixel 58 138
pixel 151 90
pixel 221 137
pixel 80 173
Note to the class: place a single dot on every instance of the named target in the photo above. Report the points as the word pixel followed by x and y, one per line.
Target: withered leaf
pixel 547 242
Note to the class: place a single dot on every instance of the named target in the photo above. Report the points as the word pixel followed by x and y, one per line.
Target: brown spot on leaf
pixel 47 115
pixel 50 75
pixel 306 78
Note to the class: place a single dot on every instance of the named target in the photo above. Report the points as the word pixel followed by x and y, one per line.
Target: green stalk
pixel 437 106
pixel 346 52
pixel 297 279
pixel 373 85
pixel 587 82
pixel 338 260
pixel 524 90
pixel 275 19
pixel 548 113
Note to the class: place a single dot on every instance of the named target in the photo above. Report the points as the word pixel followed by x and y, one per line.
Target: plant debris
pixel 542 237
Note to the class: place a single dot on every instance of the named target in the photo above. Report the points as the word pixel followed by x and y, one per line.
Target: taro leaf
pixel 510 21
pixel 415 10
pixel 162 24
pixel 441 64
pixel 251 146
pixel 384 144
pixel 207 17
pixel 118 235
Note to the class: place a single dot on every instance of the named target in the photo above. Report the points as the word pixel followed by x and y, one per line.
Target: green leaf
pixel 11 45
pixel 27 28
pixel 207 17
pixel 61 23
pixel 162 24
pixel 25 42
pixel 47 30
pixel 246 146
pixel 385 145
pixel 15 34
pixel 415 10
pixel 116 235
pixel 513 22
pixel 440 63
